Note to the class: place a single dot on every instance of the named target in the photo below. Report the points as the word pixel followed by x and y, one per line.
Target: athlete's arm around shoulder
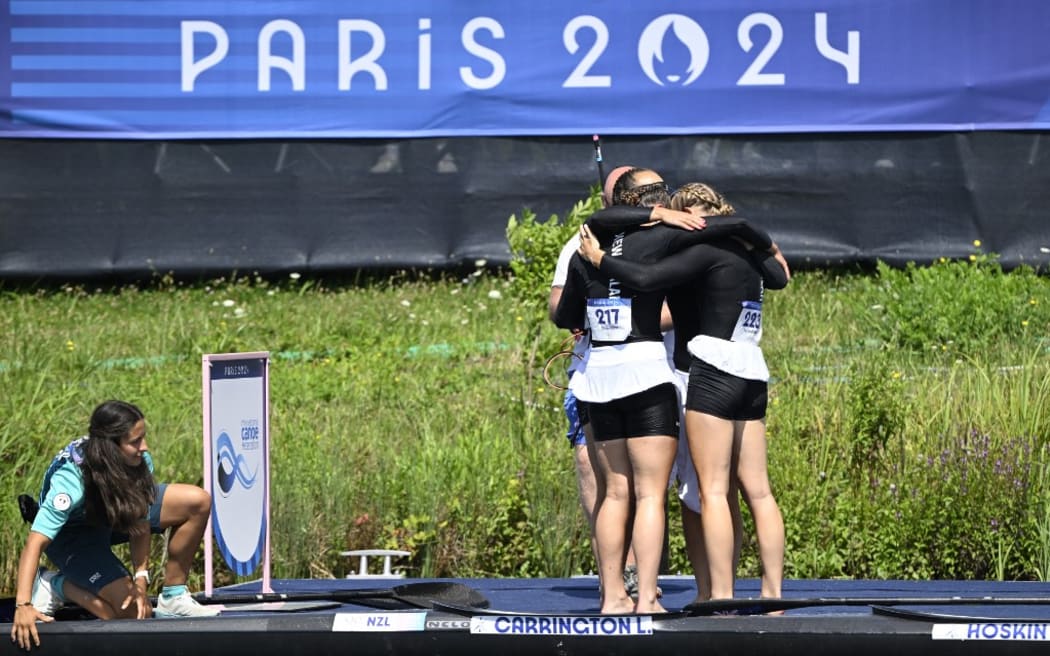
pixel 621 217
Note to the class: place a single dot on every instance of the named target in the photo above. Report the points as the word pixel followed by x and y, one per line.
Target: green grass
pixel 410 413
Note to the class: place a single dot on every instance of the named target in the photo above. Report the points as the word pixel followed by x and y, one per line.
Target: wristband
pixel 142 574
pixel 25 603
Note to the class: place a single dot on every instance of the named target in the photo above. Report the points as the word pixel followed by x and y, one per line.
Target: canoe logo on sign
pixel 230 466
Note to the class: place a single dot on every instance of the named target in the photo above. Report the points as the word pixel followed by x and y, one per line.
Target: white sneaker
pixel 44 598
pixel 183 605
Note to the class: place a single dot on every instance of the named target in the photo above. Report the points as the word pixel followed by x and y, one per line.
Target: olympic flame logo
pixel 691 36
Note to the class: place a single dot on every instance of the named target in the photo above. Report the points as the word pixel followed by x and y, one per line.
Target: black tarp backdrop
pixel 128 210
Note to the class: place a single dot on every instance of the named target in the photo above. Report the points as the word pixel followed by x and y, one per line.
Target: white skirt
pixel 740 359
pixel 614 372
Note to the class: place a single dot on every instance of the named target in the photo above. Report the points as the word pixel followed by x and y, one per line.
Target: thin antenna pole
pixel 598 160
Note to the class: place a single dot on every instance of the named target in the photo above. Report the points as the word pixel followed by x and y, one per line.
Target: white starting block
pixel 386 554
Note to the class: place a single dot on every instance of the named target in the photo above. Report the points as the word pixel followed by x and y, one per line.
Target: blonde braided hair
pixel 698 194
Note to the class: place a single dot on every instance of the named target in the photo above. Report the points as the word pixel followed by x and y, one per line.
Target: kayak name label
pixel 562 625
pixel 1022 631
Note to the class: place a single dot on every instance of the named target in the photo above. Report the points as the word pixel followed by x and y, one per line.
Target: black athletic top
pixel 637 244
pixel 706 283
pixel 585 282
pixel 705 274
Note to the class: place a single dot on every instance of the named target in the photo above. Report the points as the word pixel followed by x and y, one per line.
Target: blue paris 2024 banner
pixel 408 68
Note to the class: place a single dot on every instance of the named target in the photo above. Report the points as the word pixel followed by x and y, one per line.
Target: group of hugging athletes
pixel 664 294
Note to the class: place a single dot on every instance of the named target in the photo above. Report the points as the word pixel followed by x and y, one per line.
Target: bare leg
pixel 693 530
pixel 587 486
pixel 611 525
pixel 692 526
pixel 185 509
pixel 711 444
pixel 769 524
pixel 97 606
pixel 738 522
pixel 105 606
pixel 651 460
pixel 591 486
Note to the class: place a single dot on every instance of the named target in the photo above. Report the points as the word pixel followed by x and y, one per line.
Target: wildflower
pixel 405 302
pixel 1032 301
pixel 973 258
pixel 480 263
pixel 518 318
pixel 229 303
pixel 239 312
pixel 70 345
pixel 495 294
pixel 895 375
pixel 1024 322
pixel 977 243
pixel 294 275
pixel 464 322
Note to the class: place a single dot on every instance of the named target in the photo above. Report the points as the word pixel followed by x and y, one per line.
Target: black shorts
pixel 714 392
pixel 652 412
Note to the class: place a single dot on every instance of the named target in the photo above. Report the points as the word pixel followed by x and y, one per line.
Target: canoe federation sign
pixel 236 456
pixel 172 69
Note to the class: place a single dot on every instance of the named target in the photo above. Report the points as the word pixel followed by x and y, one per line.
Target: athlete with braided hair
pixel 629 389
pixel 715 298
pixel 701 199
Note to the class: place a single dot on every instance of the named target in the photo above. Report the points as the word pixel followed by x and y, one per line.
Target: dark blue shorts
pixel 84 554
pixel 654 411
pixel 716 393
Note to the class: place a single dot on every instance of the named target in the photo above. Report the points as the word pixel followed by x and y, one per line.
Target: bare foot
pixel 649 609
pixel 618 606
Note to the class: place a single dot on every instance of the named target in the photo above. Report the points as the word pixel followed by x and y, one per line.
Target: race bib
pixel 749 324
pixel 609 319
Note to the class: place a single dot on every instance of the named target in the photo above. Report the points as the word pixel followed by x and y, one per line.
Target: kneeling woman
pixel 99 491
